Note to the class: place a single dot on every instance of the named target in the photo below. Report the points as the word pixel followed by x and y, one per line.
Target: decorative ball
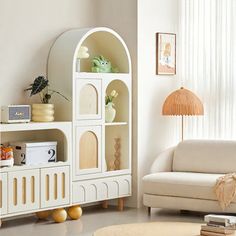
pixel 59 215
pixel 75 212
pixel 43 215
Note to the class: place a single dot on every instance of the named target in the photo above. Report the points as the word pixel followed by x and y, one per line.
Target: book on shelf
pixel 222 230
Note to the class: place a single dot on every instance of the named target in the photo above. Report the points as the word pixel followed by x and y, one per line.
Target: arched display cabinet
pixel 94 140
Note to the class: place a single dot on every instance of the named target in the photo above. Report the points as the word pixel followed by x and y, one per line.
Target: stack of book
pixel 218 225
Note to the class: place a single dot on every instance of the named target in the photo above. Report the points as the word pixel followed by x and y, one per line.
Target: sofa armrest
pixel 163 162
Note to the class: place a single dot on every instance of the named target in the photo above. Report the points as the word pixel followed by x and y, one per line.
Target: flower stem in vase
pixel 117 154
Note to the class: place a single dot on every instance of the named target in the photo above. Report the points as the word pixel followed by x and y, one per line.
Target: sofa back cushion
pixel 205 156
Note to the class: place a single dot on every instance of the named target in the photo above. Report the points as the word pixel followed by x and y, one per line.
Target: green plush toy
pixel 101 65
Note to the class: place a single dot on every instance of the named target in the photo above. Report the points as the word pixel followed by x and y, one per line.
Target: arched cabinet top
pixel 99 41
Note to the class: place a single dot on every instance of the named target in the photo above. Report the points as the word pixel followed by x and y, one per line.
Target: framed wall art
pixel 165 54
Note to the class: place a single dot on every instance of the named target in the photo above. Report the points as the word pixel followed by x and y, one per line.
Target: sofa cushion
pixel 205 156
pixel 181 184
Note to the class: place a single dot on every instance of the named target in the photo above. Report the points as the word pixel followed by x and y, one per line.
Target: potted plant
pixel 110 112
pixel 43 112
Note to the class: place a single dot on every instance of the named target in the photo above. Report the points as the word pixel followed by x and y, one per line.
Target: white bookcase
pixel 85 141
pixel 93 138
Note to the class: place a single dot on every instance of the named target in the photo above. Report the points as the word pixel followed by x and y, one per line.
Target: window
pixel 208 65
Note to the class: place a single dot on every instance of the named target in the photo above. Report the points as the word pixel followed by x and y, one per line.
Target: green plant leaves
pixel 39 84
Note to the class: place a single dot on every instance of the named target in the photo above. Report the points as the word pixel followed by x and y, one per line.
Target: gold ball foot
pixel 43 215
pixel 75 212
pixel 59 215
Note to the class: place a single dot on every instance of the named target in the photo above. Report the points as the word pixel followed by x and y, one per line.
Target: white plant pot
pixel 110 113
pixel 43 112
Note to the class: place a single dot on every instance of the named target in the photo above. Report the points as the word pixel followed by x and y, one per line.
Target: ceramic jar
pixel 43 112
pixel 110 113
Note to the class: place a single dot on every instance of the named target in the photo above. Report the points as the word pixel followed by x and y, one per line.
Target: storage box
pixel 34 153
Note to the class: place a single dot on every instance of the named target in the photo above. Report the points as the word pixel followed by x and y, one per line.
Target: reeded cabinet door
pixel 23 190
pixel 88 99
pixel 88 150
pixel 3 193
pixel 55 186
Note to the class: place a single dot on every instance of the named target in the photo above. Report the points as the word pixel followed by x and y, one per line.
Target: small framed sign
pixel 165 54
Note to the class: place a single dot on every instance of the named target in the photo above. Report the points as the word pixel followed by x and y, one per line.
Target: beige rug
pixel 151 229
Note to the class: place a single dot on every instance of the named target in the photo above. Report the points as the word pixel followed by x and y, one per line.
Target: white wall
pixel 27 31
pixel 155 132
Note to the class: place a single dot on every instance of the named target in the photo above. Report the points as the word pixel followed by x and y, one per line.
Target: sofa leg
pixel 184 212
pixel 149 211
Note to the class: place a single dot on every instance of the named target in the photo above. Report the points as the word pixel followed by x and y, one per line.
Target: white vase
pixel 43 112
pixel 110 113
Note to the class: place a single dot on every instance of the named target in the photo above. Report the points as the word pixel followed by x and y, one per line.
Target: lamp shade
pixel 182 102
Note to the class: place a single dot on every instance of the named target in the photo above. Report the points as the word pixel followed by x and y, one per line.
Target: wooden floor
pixel 92 219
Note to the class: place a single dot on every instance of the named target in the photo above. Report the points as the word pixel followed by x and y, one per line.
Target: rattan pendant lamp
pixel 182 102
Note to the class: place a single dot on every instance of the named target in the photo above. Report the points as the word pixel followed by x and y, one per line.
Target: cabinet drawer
pixel 55 186
pixel 23 187
pixel 88 99
pixel 3 193
pixel 101 189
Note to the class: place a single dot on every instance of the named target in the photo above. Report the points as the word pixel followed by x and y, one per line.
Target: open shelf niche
pixel 119 130
pixel 108 45
pixel 112 133
pixel 121 101
pixel 39 132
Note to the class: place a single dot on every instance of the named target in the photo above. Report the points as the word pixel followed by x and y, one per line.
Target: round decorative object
pixel 43 215
pixel 75 212
pixel 59 215
pixel 110 113
pixel 42 112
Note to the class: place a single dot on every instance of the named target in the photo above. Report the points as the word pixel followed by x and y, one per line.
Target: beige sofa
pixel 183 177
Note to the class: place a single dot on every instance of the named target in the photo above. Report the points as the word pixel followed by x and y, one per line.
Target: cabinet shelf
pixel 116 123
pixel 34 126
pixel 24 167
pixel 92 75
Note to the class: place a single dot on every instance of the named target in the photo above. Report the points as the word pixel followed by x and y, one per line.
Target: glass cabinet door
pixel 88 150
pixel 88 99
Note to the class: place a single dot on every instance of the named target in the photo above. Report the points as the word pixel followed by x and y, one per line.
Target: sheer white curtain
pixel 208 65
